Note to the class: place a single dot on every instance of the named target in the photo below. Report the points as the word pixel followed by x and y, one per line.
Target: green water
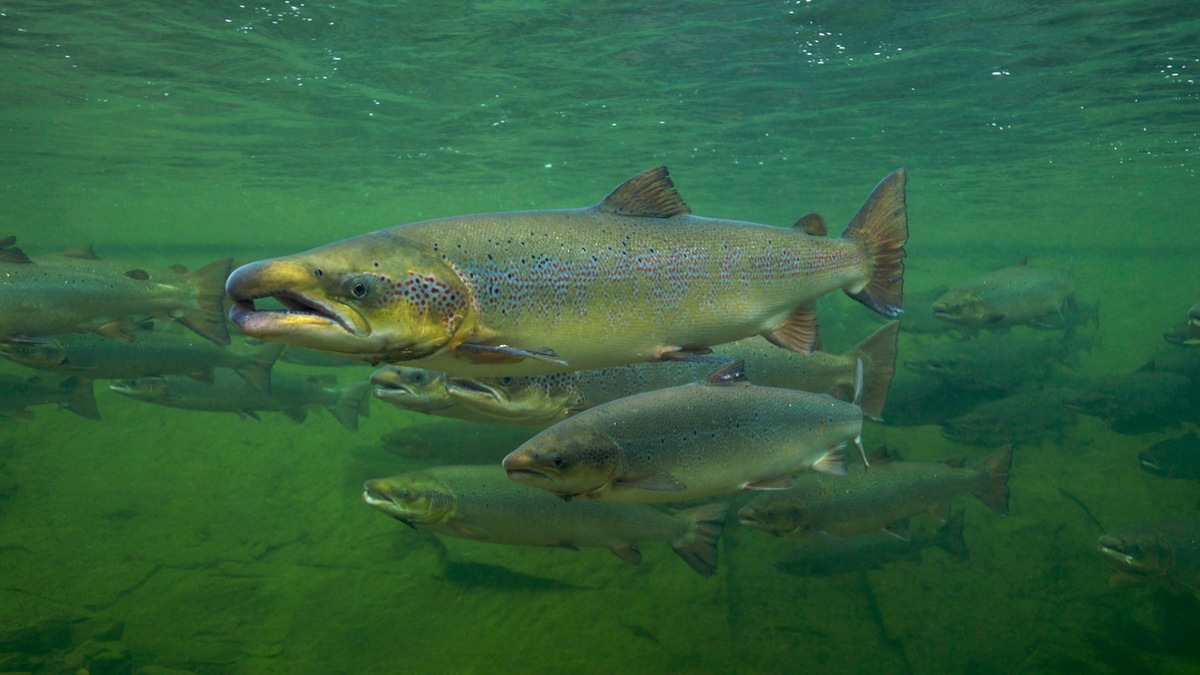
pixel 183 132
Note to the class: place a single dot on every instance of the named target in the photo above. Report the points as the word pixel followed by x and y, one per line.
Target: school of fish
pixel 624 373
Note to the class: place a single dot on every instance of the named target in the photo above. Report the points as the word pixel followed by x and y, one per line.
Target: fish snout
pixel 265 278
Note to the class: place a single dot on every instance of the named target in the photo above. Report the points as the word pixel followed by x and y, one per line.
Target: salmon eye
pixel 557 461
pixel 358 288
pixel 506 380
pixel 417 377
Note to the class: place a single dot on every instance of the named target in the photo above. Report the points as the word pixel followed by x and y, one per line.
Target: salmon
pixel 634 278
pixel 713 437
pixel 479 503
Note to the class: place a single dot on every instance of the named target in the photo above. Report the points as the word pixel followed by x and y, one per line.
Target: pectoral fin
pixel 627 552
pixel 692 355
pixel 497 354
pixel 659 481
pixel 773 483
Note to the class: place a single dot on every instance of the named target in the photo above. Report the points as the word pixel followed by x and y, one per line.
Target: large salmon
pixel 633 278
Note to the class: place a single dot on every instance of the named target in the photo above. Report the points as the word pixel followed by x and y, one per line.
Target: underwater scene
pixel 710 337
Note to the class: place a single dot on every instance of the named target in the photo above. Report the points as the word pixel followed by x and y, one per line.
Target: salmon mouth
pixel 1113 548
pixel 298 309
pixel 473 389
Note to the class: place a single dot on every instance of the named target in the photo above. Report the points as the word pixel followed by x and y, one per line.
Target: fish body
pixel 888 494
pixel 1174 458
pixel 17 395
pixel 1137 402
pixel 1014 296
pixel 708 438
pixel 42 299
pixel 634 278
pixel 1024 416
pixel 481 504
pixel 1193 337
pixel 89 356
pixel 1164 553
pixel 873 551
pixel 229 393
pixel 1002 363
pixel 542 400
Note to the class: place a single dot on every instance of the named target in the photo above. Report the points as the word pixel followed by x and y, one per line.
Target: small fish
pixel 479 503
pixel 542 400
pixel 149 352
pixel 634 278
pixel 1017 295
pixel 873 551
pixel 1138 402
pixel 228 393
pixel 1024 416
pixel 1164 553
pixel 881 499
pixel 1174 458
pixel 43 299
pixel 18 395
pixel 713 437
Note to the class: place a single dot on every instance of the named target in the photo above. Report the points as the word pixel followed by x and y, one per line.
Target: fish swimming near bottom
pixel 228 393
pixel 1026 416
pixel 873 551
pixel 1164 553
pixel 883 498
pixel 1017 295
pixel 1174 458
pixel 18 395
pixel 481 504
pixel 712 437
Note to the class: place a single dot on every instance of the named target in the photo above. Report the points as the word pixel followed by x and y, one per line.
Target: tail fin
pixel 878 354
pixel 257 371
pixel 698 547
pixel 351 404
pixel 950 537
pixel 83 397
pixel 207 319
pixel 993 485
pixel 880 229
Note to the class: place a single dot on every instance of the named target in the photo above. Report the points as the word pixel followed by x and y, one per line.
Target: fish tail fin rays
pixel 950 537
pixel 207 319
pixel 352 404
pixel 698 547
pixel 832 461
pixel 798 332
pixel 257 373
pixel 83 398
pixel 994 470
pixel 880 229
pixel 878 355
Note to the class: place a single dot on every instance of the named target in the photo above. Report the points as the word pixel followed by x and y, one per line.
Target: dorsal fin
pixel 728 374
pixel 140 275
pixel 650 194
pixel 11 254
pixel 812 224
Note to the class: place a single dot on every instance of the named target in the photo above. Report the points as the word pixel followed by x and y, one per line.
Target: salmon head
pixel 375 297
pixel 34 353
pixel 566 461
pixel 774 514
pixel 964 307
pixel 415 389
pixel 1138 552
pixel 533 400
pixel 413 498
